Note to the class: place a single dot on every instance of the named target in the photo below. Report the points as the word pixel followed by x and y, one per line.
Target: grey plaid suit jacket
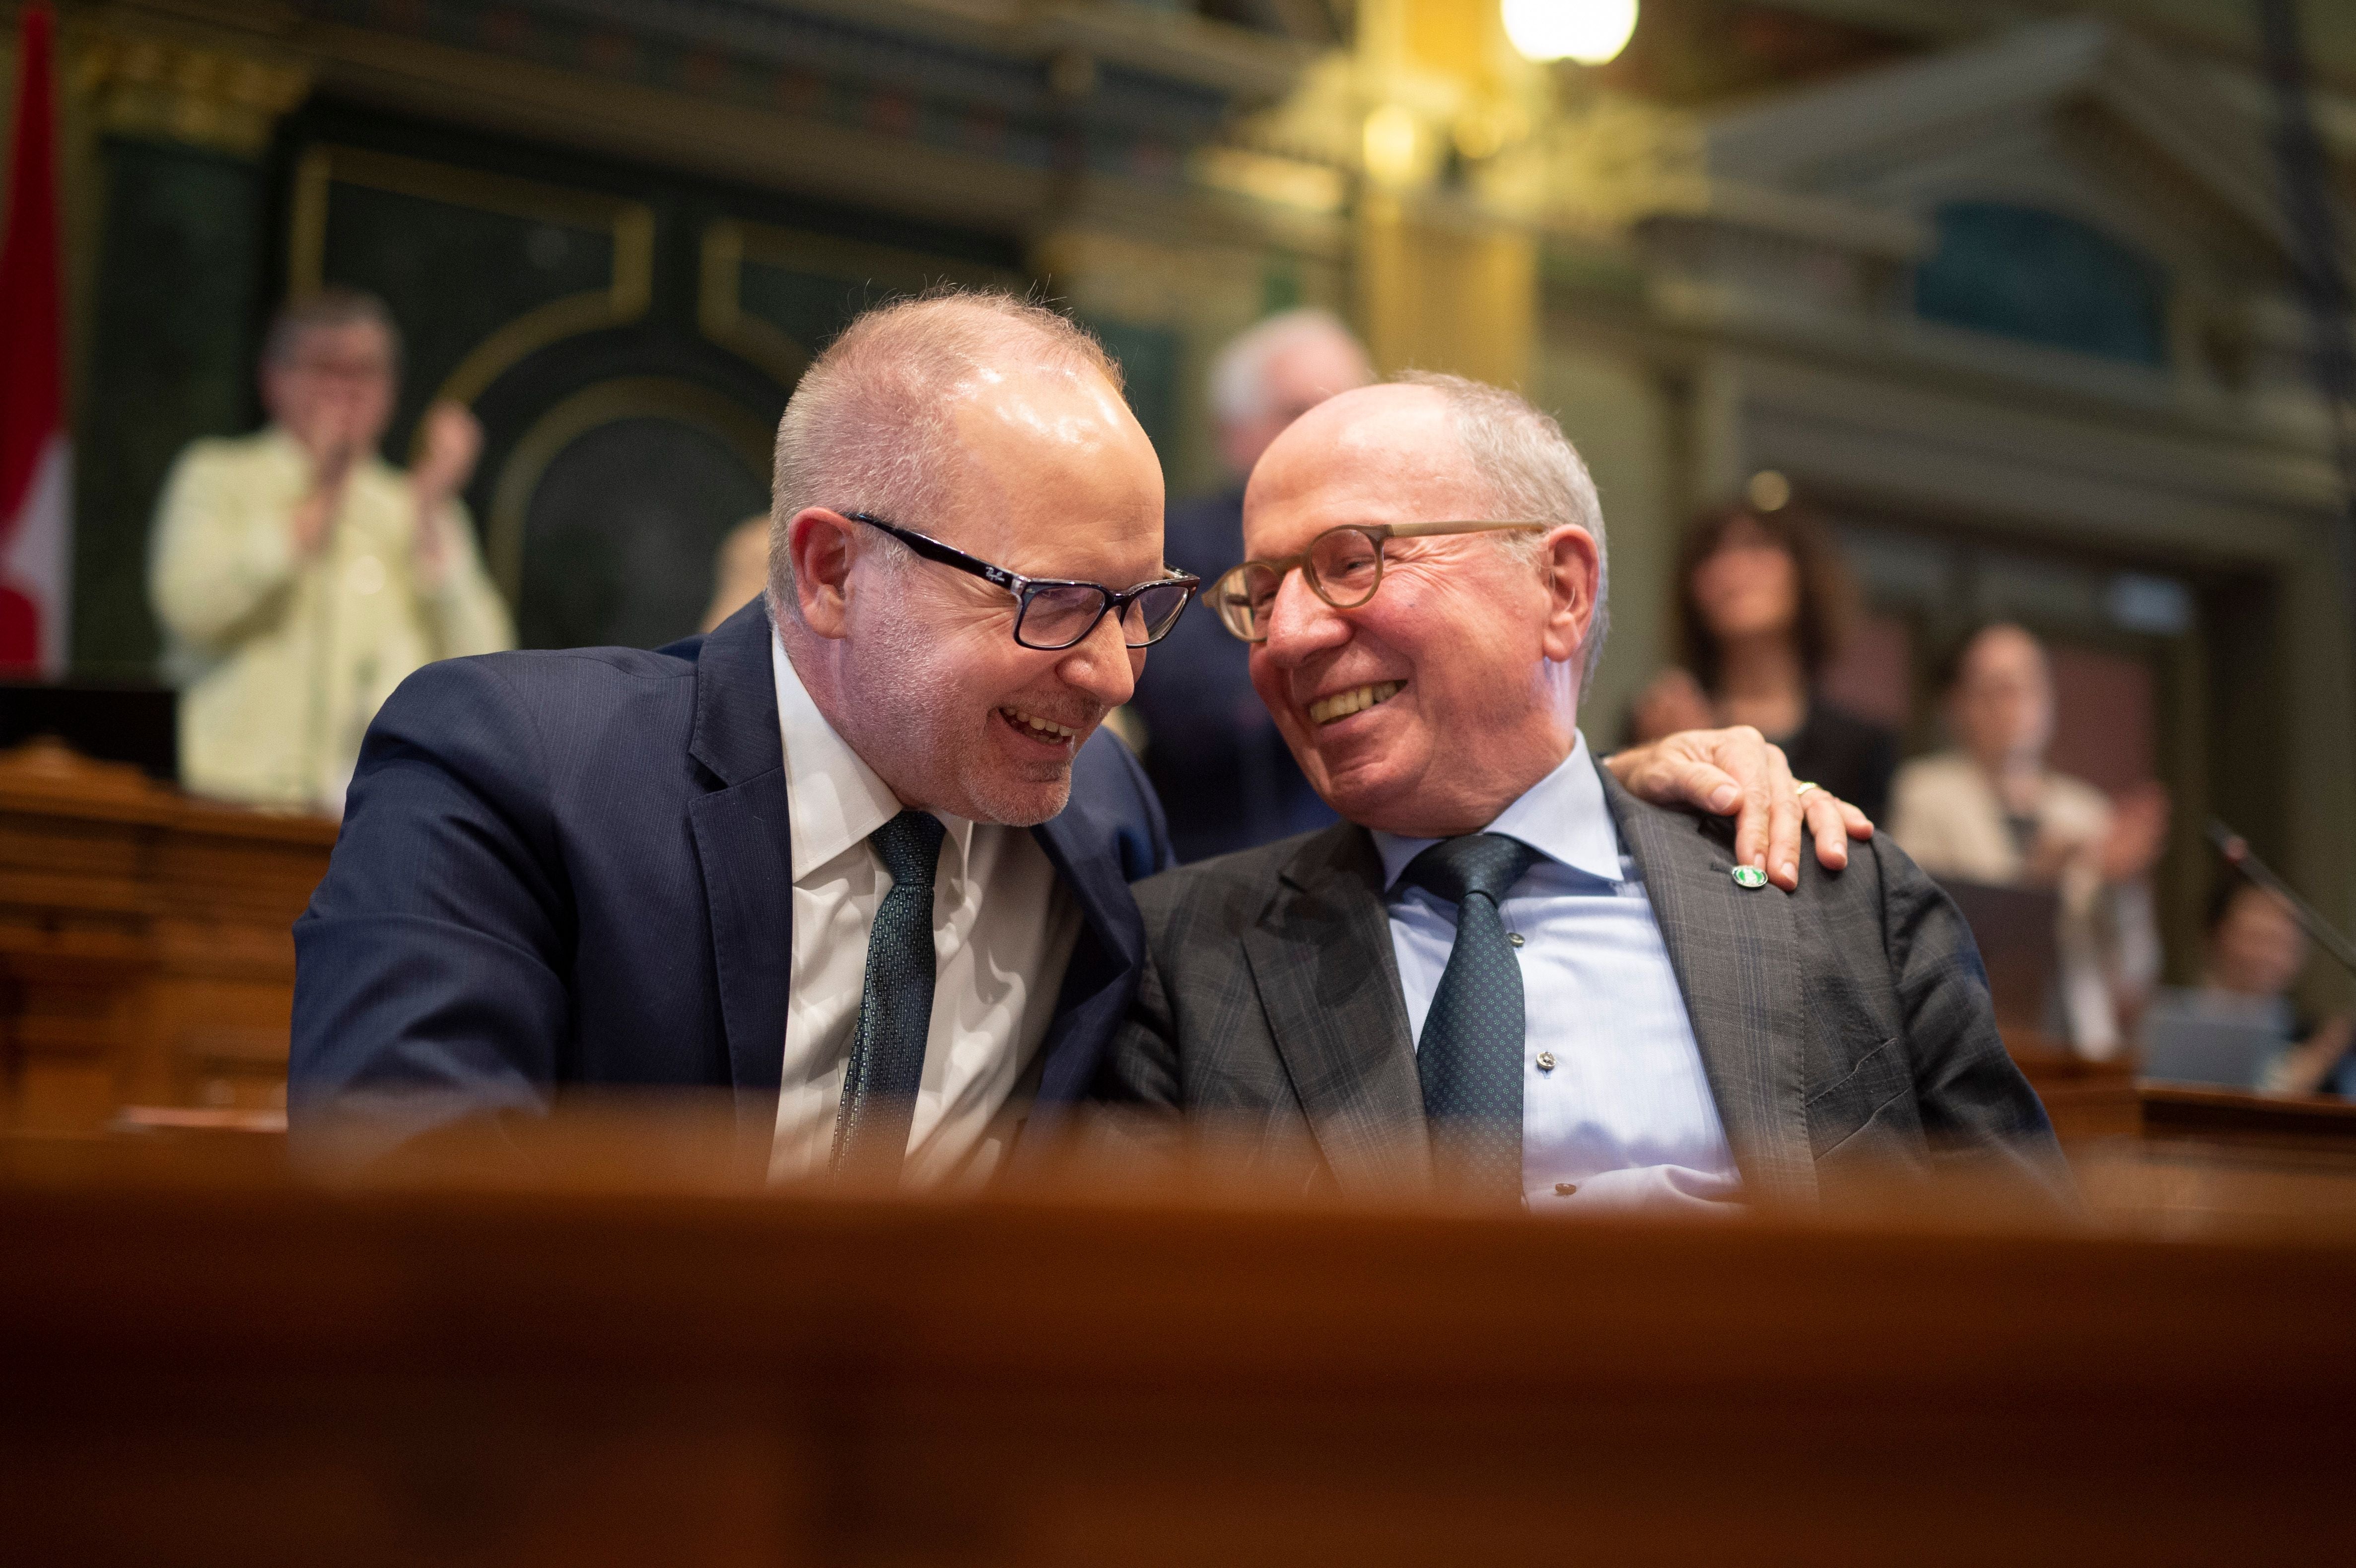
pixel 1845 1029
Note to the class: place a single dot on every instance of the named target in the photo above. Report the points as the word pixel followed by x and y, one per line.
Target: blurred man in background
pixel 300 577
pixel 1992 812
pixel 1223 771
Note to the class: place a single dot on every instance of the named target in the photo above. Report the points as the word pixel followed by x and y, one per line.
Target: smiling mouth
pixel 1045 730
pixel 1357 700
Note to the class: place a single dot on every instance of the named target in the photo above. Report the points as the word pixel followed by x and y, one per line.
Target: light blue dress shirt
pixel 1616 1108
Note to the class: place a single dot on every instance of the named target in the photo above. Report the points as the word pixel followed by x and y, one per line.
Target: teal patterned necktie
pixel 895 1010
pixel 1469 1058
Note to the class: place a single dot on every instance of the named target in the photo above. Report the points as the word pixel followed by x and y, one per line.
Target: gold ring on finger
pixel 1799 789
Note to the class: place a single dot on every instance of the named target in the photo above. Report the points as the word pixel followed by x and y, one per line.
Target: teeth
pixel 1342 704
pixel 1038 726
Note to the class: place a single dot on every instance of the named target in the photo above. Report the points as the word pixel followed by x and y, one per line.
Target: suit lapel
pixel 1735 952
pixel 1322 961
pixel 744 842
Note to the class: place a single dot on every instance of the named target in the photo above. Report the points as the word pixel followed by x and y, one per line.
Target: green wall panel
pixel 453 274
pixel 171 358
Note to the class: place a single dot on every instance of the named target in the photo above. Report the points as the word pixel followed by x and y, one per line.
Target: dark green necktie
pixel 895 1010
pixel 1469 1058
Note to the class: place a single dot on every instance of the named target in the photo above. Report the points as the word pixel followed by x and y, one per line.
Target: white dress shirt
pixel 1623 1116
pixel 1003 928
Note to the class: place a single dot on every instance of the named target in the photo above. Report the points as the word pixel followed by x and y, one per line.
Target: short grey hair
pixel 331 306
pixel 1239 371
pixel 1536 475
pixel 867 428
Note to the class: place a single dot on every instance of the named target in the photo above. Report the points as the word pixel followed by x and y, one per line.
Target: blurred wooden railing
pixel 146 959
pixel 212 1361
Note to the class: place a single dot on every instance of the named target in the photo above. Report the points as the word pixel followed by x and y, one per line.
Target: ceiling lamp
pixel 1591 32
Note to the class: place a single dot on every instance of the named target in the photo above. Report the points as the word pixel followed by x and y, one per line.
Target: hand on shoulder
pixel 1738 772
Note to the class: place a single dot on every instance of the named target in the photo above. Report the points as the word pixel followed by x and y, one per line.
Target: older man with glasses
pixel 858 855
pixel 1502 972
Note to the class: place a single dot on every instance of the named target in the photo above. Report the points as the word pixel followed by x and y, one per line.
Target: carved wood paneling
pixel 146 955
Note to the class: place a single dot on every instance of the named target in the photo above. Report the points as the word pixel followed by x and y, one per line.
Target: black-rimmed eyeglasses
pixel 1344 566
pixel 1052 612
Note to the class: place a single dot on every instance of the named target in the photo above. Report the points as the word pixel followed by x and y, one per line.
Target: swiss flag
pixel 35 457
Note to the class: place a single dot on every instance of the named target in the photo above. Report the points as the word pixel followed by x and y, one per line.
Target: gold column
pixel 1435 295
pixel 1445 280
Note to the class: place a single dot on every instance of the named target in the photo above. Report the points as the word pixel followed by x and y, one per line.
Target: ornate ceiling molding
pixel 163 89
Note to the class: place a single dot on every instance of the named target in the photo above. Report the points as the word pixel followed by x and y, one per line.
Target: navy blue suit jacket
pixel 572 868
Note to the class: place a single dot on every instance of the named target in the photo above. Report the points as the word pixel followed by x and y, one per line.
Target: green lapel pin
pixel 1750 877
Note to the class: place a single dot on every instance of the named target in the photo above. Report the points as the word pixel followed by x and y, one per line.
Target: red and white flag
pixel 36 458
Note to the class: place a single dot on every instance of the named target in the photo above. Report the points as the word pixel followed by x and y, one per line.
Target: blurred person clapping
pixel 299 576
pixel 1762 605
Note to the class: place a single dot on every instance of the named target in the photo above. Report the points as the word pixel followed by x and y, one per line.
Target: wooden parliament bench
pixel 147 959
pixel 208 1361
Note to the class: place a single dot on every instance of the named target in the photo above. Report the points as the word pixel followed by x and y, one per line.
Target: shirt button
pixel 1546 1061
pixel 1515 939
pixel 1565 1188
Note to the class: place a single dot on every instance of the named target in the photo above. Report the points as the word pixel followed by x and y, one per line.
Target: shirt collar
pixel 833 799
pixel 1563 816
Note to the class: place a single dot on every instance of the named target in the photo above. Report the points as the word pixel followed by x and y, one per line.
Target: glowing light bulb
pixel 1589 31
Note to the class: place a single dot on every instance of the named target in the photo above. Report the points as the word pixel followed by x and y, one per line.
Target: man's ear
pixel 1570 568
pixel 817 542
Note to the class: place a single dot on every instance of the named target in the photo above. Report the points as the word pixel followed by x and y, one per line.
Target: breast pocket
pixel 1878 1093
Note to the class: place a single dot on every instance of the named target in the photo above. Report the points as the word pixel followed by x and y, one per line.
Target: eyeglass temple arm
pixel 948 555
pixel 1418 530
pixel 1389 530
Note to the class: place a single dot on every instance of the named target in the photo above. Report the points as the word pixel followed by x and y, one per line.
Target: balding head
pixel 870 422
pixel 1431 706
pixel 998 429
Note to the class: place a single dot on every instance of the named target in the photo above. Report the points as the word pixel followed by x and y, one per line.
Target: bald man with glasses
pixel 1502 977
pixel 858 855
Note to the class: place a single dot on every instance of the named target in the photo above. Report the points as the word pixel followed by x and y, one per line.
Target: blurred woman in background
pixel 1763 604
pixel 2254 954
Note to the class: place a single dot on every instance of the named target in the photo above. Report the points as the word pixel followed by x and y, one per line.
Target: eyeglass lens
pixel 1344 567
pixel 1151 614
pixel 1059 616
